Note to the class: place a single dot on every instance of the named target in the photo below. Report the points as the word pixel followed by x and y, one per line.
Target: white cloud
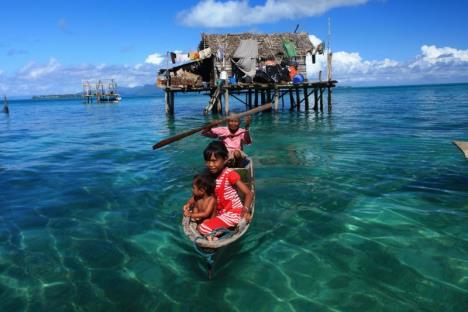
pixel 36 71
pixel 214 13
pixel 434 65
pixel 155 59
pixel 431 55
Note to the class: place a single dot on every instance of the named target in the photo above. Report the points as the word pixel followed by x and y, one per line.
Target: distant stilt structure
pixel 103 92
pixel 87 94
pixel 6 110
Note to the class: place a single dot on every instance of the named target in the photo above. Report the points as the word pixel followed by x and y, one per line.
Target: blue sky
pixel 49 47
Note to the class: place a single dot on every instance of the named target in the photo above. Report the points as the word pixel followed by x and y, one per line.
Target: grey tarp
pixel 247 53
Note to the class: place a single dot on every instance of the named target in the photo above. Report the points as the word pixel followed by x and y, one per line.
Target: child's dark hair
pixel 205 181
pixel 216 148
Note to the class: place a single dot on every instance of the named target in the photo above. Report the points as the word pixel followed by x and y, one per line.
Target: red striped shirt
pixel 230 194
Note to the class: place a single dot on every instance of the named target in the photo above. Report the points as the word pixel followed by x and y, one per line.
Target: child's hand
pixel 248 217
pixel 187 213
pixel 247 121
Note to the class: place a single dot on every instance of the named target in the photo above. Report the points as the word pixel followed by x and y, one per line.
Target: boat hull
pixel 190 227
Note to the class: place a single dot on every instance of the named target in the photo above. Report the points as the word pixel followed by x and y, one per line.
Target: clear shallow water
pixel 365 208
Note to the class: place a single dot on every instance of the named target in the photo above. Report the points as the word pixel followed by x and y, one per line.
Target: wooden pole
pixel 306 99
pixel 282 101
pixel 276 99
pixel 298 102
pixel 291 100
pixel 166 101
pixel 226 101
pixel 321 99
pixel 250 98
pixel 256 97
pixel 315 99
pixel 263 97
pixel 220 103
pixel 268 95
pixel 329 99
pixel 6 110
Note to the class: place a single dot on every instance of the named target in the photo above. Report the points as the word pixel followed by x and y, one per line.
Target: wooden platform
pixel 256 94
pixel 463 146
pixel 252 86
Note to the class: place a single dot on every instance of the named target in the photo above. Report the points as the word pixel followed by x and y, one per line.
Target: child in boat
pixel 233 138
pixel 203 201
pixel 229 208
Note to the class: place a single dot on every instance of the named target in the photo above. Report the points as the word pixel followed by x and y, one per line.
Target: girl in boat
pixel 203 201
pixel 229 208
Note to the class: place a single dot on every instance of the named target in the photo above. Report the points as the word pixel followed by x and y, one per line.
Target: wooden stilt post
pixel 291 100
pixel 282 100
pixel 249 101
pixel 263 97
pixel 169 99
pixel 268 95
pixel 256 97
pixel 321 99
pixel 306 99
pixel 226 101
pixel 220 103
pixel 298 102
pixel 315 99
pixel 276 99
pixel 329 99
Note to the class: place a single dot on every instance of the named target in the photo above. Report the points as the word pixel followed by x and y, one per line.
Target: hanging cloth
pixel 247 53
pixel 289 48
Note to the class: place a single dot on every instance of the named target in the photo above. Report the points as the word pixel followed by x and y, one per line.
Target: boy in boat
pixel 233 138
pixel 203 201
pixel 229 208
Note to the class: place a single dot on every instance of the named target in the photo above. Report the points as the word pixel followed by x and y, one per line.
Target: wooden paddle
pixel 209 125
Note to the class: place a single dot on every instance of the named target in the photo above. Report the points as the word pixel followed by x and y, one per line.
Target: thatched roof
pixel 268 44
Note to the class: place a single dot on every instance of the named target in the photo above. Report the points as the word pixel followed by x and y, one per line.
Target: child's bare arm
pixel 248 196
pixel 189 203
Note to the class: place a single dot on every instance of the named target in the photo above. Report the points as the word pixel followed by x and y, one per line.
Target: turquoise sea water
pixel 361 209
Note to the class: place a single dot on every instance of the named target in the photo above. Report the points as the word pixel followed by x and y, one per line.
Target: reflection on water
pixel 364 208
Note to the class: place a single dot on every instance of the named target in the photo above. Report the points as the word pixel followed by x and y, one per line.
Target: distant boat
pixel 6 110
pixel 111 98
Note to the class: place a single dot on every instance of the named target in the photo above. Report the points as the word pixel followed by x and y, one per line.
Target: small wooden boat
pixel 209 248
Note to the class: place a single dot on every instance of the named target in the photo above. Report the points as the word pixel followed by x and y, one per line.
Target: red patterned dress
pixel 229 206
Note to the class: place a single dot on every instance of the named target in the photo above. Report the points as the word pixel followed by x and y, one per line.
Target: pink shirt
pixel 232 141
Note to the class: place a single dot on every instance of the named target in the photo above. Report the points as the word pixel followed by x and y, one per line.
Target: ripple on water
pixel 361 209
